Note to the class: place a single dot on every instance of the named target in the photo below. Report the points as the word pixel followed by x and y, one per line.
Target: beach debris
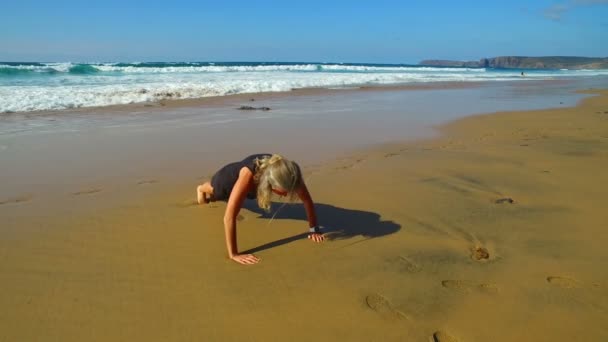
pixel 168 94
pixel 252 100
pixel 480 253
pixel 253 108
pixel 504 200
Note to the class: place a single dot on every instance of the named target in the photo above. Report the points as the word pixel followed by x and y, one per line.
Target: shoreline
pixel 239 99
pixel 425 242
pixel 190 128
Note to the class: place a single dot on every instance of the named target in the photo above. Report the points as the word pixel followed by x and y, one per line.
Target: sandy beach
pixel 493 230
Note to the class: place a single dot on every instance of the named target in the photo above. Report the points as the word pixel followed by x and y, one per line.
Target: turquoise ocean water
pixel 54 86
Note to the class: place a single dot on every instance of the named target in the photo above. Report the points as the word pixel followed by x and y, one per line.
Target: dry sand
pixel 496 231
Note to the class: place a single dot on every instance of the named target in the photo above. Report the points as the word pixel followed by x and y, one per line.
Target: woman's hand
pixel 316 237
pixel 245 259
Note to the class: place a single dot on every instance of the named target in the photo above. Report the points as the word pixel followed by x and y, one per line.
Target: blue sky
pixel 325 31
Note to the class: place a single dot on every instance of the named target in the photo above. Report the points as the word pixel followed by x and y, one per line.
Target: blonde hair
pixel 276 172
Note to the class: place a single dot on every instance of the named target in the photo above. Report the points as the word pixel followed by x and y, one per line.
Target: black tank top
pixel 224 179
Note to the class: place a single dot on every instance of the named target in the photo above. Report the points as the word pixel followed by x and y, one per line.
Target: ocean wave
pixel 23 70
pixel 35 98
pixel 139 68
pixel 194 68
pixel 209 67
pixel 83 69
pixel 235 67
pixel 50 69
pixel 365 68
pixel 72 85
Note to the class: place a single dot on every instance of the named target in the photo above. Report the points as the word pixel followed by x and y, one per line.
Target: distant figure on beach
pixel 256 177
pixel 522 74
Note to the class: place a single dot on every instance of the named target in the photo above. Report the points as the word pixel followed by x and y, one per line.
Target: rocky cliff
pixel 517 62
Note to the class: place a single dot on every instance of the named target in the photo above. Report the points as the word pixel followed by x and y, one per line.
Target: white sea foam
pixel 267 68
pixel 32 98
pixel 124 84
pixel 139 68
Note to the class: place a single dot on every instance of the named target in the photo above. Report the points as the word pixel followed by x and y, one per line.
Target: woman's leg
pixel 204 193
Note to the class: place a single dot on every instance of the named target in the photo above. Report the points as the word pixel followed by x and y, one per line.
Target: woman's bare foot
pixel 204 193
pixel 201 196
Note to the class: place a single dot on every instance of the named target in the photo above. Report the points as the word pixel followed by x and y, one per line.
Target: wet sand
pixel 250 98
pixel 494 231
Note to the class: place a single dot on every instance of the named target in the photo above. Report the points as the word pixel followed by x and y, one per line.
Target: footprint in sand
pixel 388 155
pixel 86 192
pixel 480 254
pixel 187 204
pixel 408 265
pixel 147 181
pixel 383 307
pixel 468 286
pixel 351 165
pixel 194 204
pixel 15 200
pixel 563 282
pixel 442 336
pixel 345 167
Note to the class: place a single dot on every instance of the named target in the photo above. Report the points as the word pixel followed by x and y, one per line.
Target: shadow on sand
pixel 338 223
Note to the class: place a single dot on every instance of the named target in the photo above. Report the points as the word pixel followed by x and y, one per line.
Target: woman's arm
pixel 235 202
pixel 310 212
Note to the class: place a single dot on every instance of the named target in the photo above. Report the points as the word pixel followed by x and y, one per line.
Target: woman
pixel 257 176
